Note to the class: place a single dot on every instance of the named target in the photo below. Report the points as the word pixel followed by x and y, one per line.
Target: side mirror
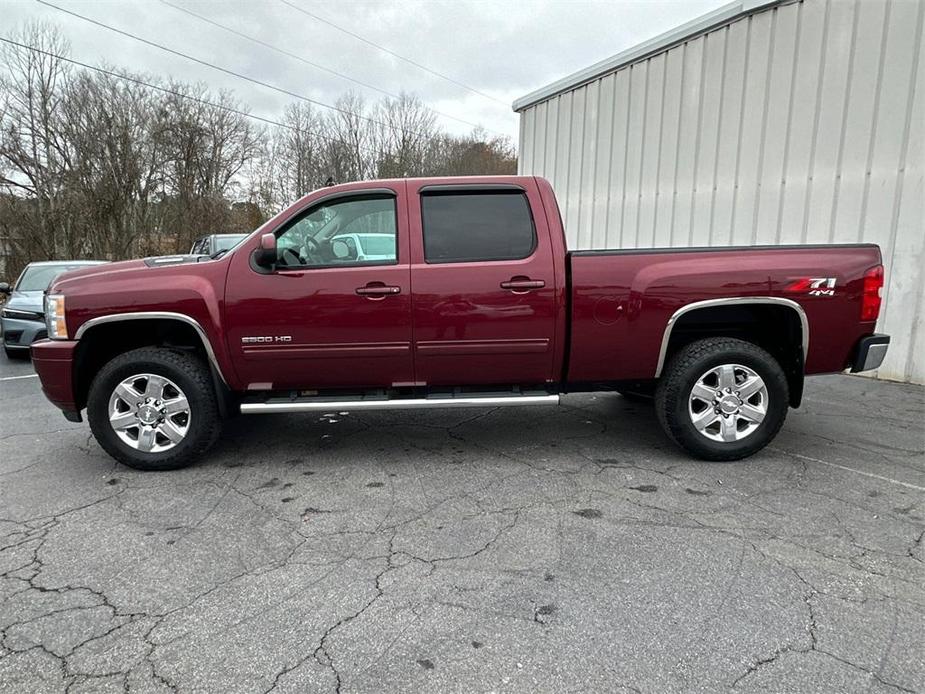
pixel 265 255
pixel 5 288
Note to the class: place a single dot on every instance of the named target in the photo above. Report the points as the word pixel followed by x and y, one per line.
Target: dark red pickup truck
pixel 450 292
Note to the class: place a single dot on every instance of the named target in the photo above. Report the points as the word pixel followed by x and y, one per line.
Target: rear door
pixel 483 282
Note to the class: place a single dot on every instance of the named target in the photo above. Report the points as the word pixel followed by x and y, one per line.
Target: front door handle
pixel 522 284
pixel 377 290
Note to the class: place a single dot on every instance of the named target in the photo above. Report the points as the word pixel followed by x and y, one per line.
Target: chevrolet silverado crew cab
pixel 470 298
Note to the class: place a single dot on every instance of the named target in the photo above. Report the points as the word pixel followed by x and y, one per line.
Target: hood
pixel 61 281
pixel 110 270
pixel 26 301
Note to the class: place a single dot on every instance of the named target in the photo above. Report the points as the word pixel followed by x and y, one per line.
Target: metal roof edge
pixel 711 20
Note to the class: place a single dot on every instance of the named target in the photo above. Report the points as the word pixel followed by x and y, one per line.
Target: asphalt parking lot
pixel 537 550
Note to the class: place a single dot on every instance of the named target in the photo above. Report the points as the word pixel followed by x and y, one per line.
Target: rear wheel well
pixel 775 328
pixel 102 343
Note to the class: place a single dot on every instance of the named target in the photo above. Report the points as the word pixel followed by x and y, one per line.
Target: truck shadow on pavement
pixel 445 436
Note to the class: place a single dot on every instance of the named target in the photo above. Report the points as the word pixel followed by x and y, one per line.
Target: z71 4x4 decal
pixel 813 286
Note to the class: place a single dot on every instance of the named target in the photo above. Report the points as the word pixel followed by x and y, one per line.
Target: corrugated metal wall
pixel 799 124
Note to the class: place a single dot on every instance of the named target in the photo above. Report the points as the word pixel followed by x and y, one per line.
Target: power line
pixel 393 53
pixel 181 95
pixel 274 48
pixel 239 75
pixel 302 59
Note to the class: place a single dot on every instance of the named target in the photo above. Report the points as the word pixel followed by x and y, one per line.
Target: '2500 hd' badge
pixel 813 286
pixel 263 339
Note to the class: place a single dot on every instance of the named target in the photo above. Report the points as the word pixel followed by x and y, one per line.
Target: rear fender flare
pixel 731 301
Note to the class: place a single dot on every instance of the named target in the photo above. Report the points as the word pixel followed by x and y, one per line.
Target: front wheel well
pixel 777 328
pixel 102 343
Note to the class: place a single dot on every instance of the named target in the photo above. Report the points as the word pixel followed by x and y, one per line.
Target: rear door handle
pixel 377 290
pixel 522 284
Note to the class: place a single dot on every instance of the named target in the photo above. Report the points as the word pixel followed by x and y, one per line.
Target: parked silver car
pixel 22 319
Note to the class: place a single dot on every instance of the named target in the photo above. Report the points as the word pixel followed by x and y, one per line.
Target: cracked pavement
pixel 519 550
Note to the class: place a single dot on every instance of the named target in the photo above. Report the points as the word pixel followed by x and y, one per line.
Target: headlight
pixel 22 315
pixel 54 317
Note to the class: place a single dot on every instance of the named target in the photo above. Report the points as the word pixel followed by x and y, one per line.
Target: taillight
pixel 870 296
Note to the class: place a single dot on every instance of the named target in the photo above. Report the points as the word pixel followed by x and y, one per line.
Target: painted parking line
pixel 850 469
pixel 16 378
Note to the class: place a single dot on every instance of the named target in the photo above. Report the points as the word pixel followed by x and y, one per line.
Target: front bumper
pixel 19 333
pixel 53 361
pixel 870 352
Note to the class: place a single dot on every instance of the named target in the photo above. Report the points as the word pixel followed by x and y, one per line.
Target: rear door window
pixel 477 226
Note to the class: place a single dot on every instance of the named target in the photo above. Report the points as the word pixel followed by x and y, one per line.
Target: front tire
pixel 722 399
pixel 154 409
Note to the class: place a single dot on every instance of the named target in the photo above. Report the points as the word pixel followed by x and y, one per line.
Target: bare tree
pixel 33 155
pixel 114 130
pixel 208 144
pixel 347 140
pixel 404 129
pixel 300 152
pixel 119 165
pixel 475 154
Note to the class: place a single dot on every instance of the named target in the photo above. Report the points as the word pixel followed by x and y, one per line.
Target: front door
pixel 336 312
pixel 484 286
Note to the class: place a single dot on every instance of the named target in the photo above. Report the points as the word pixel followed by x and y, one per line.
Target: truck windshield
pixel 227 242
pixel 36 278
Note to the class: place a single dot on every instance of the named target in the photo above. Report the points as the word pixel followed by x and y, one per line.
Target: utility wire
pixel 239 75
pixel 181 95
pixel 393 53
pixel 301 59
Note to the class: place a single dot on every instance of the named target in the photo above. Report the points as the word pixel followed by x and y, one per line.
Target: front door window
pixel 356 231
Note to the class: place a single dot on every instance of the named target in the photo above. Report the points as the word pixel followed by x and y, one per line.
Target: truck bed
pixel 623 301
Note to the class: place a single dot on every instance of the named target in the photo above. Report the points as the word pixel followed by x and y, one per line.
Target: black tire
pixel 673 394
pixel 193 378
pixel 16 354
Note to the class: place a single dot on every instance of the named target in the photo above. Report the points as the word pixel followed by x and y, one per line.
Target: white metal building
pixel 759 123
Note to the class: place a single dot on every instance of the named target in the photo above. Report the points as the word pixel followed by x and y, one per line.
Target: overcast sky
pixel 503 49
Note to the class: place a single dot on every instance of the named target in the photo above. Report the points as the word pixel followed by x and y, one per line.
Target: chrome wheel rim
pixel 149 413
pixel 728 403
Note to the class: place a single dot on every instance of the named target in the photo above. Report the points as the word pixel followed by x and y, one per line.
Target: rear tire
pixel 722 399
pixel 177 383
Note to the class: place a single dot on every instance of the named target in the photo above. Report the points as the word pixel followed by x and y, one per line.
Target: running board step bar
pixel 329 405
